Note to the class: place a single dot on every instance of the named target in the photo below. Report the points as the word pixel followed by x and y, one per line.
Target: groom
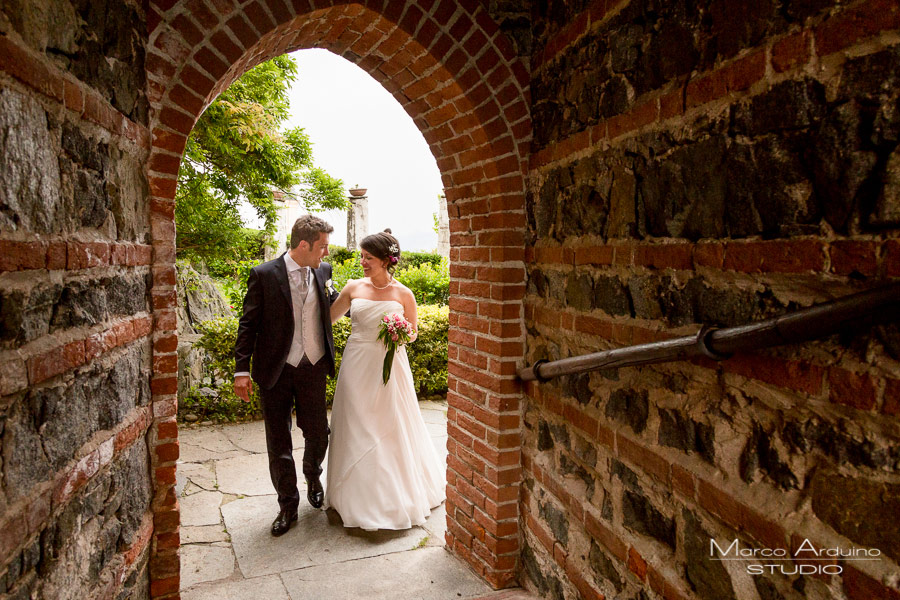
pixel 286 330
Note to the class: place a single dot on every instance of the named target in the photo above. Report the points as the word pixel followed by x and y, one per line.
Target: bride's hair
pixel 383 246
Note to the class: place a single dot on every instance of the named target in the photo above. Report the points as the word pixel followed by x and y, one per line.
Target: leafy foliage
pixel 218 400
pixel 340 254
pixel 428 284
pixel 428 354
pixel 238 152
pixel 232 276
pixel 413 259
pixel 343 272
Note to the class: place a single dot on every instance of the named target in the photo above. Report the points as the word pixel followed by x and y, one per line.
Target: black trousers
pixel 301 388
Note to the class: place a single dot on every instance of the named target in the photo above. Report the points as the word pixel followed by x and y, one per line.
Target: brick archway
pixel 456 75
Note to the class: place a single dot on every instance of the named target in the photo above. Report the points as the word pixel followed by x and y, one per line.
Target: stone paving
pixel 227 552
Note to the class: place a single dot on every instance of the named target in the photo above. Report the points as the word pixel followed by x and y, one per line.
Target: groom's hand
pixel 242 387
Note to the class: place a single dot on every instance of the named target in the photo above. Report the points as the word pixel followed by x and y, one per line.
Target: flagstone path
pixel 227 553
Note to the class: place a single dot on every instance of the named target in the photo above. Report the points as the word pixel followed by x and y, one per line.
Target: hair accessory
pixel 394 249
pixel 393 260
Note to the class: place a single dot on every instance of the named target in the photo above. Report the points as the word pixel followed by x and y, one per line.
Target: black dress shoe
pixel 283 522
pixel 314 492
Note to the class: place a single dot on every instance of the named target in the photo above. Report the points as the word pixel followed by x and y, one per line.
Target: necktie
pixel 304 282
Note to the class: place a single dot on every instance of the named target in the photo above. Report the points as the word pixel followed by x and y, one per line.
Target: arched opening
pixel 456 75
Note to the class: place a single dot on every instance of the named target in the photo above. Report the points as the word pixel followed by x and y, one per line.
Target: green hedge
pixel 427 357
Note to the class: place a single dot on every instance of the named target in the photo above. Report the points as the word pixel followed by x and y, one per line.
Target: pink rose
pixel 395 337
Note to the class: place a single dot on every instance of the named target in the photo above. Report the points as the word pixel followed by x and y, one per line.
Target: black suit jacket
pixel 266 328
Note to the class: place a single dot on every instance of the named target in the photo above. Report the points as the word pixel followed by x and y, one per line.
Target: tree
pixel 237 152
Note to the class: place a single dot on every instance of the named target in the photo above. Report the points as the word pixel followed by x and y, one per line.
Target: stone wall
pixel 711 164
pixel 75 326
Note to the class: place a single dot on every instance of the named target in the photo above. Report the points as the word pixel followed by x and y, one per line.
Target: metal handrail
pixel 856 310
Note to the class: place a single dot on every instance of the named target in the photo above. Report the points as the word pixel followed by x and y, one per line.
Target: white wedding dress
pixel 383 471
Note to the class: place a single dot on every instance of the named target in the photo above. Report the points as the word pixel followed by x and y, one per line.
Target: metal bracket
pixel 537 373
pixel 703 346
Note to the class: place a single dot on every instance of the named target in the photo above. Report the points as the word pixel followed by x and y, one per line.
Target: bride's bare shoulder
pixel 405 292
pixel 351 285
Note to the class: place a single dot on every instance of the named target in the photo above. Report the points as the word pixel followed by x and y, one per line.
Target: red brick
pixel 719 503
pixel 605 536
pixel 140 255
pixel 167 430
pixel 790 52
pixel 142 326
pixel 795 375
pixel 12 534
pixel 56 256
pixel 646 459
pixel 594 255
pixel 118 254
pixel 706 89
pixel 853 24
pixel 794 256
pixel 165 320
pixel 851 256
pixel 637 564
pixel 22 255
pixel 851 389
pixel 891 252
pixel 46 365
pixel 165 586
pixel 128 434
pixel 859 586
pixel 891 405
pixel 164 385
pixel 709 255
pixel 746 71
pixel 769 533
pixel 663 256
pixel 166 363
pixel 29 69
pixel 671 105
pixel 74 96
pixel 682 481
pixel 167 452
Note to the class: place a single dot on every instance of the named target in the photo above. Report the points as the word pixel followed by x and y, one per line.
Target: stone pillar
pixel 443 225
pixel 288 210
pixel 357 218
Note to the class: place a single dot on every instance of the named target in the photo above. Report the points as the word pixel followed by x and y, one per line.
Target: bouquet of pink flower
pixel 395 331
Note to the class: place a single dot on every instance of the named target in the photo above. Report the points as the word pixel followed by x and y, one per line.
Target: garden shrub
pixel 340 254
pixel 217 400
pixel 429 284
pixel 414 259
pixel 428 354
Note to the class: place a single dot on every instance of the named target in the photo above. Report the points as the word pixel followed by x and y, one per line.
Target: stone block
pixel 579 291
pixel 639 515
pixel 556 521
pixel 678 431
pixel 708 578
pixel 863 510
pixel 629 407
pixel 611 296
pixel 30 186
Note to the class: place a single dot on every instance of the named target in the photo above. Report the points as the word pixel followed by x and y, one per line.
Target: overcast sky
pixel 363 136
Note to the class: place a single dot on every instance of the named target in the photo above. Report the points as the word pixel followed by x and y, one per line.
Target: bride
pixel 383 471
